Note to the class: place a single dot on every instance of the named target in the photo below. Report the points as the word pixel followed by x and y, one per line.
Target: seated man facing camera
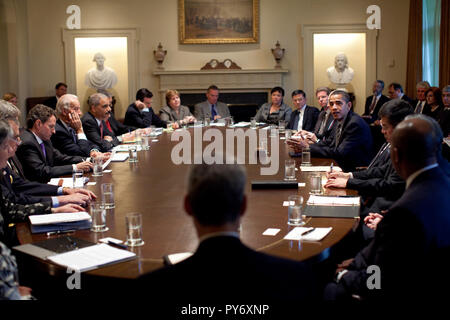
pixel 223 268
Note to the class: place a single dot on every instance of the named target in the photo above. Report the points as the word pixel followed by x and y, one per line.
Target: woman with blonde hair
pixel 174 111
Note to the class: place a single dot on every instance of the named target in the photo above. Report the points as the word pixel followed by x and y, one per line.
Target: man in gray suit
pixel 211 108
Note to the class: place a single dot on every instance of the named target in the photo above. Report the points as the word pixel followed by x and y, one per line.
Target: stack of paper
pixel 317 235
pixel 318 168
pixel 91 257
pixel 241 124
pixel 333 201
pixel 125 147
pixel 65 182
pixel 60 221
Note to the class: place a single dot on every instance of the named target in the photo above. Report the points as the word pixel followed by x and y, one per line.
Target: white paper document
pixel 217 124
pixel 317 168
pixel 66 182
pixel 118 157
pixel 92 257
pixel 241 124
pixel 124 147
pixel 175 258
pixel 271 232
pixel 42 219
pixel 317 235
pixel 333 201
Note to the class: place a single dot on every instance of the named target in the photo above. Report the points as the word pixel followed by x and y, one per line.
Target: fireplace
pixel 242 105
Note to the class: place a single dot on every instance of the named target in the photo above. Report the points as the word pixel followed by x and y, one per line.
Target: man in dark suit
pixel 421 100
pixel 19 190
pixel 60 90
pixel 304 117
pixel 211 108
pixel 374 102
pixel 351 143
pixel 408 259
pixel 325 120
pixel 396 92
pixel 94 124
pixel 140 113
pixel 39 159
pixel 69 137
pixel 380 178
pixel 223 268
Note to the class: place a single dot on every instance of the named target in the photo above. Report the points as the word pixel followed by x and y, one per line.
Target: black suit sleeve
pixel 64 143
pixel 92 133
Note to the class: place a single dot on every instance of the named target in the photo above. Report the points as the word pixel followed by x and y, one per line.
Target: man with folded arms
pixel 222 265
pixel 408 259
pixel 40 160
pixel 94 125
pixel 351 145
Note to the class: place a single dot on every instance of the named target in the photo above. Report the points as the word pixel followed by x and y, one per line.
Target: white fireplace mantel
pixel 194 81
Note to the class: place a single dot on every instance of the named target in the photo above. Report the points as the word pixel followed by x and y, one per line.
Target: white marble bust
pixel 100 77
pixel 341 73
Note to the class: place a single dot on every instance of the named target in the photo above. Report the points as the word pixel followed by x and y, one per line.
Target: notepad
pixel 119 157
pixel 125 147
pixel 42 219
pixel 66 182
pixel 317 168
pixel 92 257
pixel 317 235
pixel 333 201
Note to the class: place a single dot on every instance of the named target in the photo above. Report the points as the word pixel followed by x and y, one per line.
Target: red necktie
pixel 101 130
pixel 108 125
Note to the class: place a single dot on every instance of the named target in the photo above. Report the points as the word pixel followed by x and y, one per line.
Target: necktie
pixel 338 134
pixel 213 111
pixel 372 106
pixel 43 150
pixel 324 123
pixel 419 107
pixel 74 136
pixel 101 130
pixel 108 125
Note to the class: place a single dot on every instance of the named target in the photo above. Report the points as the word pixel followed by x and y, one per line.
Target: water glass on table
pixel 253 123
pixel 98 167
pixel 145 142
pixel 134 229
pixel 306 157
pixel 282 126
pixel 98 216
pixel 289 170
pixel 77 177
pixel 315 183
pixel 132 150
pixel 108 195
pixel 295 210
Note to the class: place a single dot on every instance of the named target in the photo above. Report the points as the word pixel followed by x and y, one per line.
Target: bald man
pixel 411 244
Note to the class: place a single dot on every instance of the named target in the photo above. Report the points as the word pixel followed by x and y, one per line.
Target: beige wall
pixel 157 21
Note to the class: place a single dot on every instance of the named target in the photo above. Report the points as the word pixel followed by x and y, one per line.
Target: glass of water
pixel 287 134
pixel 315 183
pixel 281 126
pixel 98 169
pixel 98 216
pixel 306 157
pixel 132 149
pixel 289 170
pixel 253 123
pixel 134 229
pixel 145 142
pixel 295 210
pixel 273 131
pixel 108 195
pixel 77 177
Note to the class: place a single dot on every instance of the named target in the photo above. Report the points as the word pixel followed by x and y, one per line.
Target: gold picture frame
pixel 218 21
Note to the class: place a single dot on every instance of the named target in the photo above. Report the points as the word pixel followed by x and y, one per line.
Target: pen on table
pixel 331 167
pixel 307 232
pixel 50 233
pixel 119 245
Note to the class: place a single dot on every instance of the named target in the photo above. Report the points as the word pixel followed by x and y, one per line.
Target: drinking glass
pixel 295 210
pixel 77 177
pixel 98 216
pixel 108 195
pixel 98 169
pixel 289 170
pixel 253 123
pixel 134 229
pixel 306 157
pixel 133 153
pixel 315 183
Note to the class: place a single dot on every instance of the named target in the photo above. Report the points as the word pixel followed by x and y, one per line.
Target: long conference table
pixel 155 187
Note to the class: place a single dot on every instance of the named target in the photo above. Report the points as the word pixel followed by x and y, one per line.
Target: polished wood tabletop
pixel 155 187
